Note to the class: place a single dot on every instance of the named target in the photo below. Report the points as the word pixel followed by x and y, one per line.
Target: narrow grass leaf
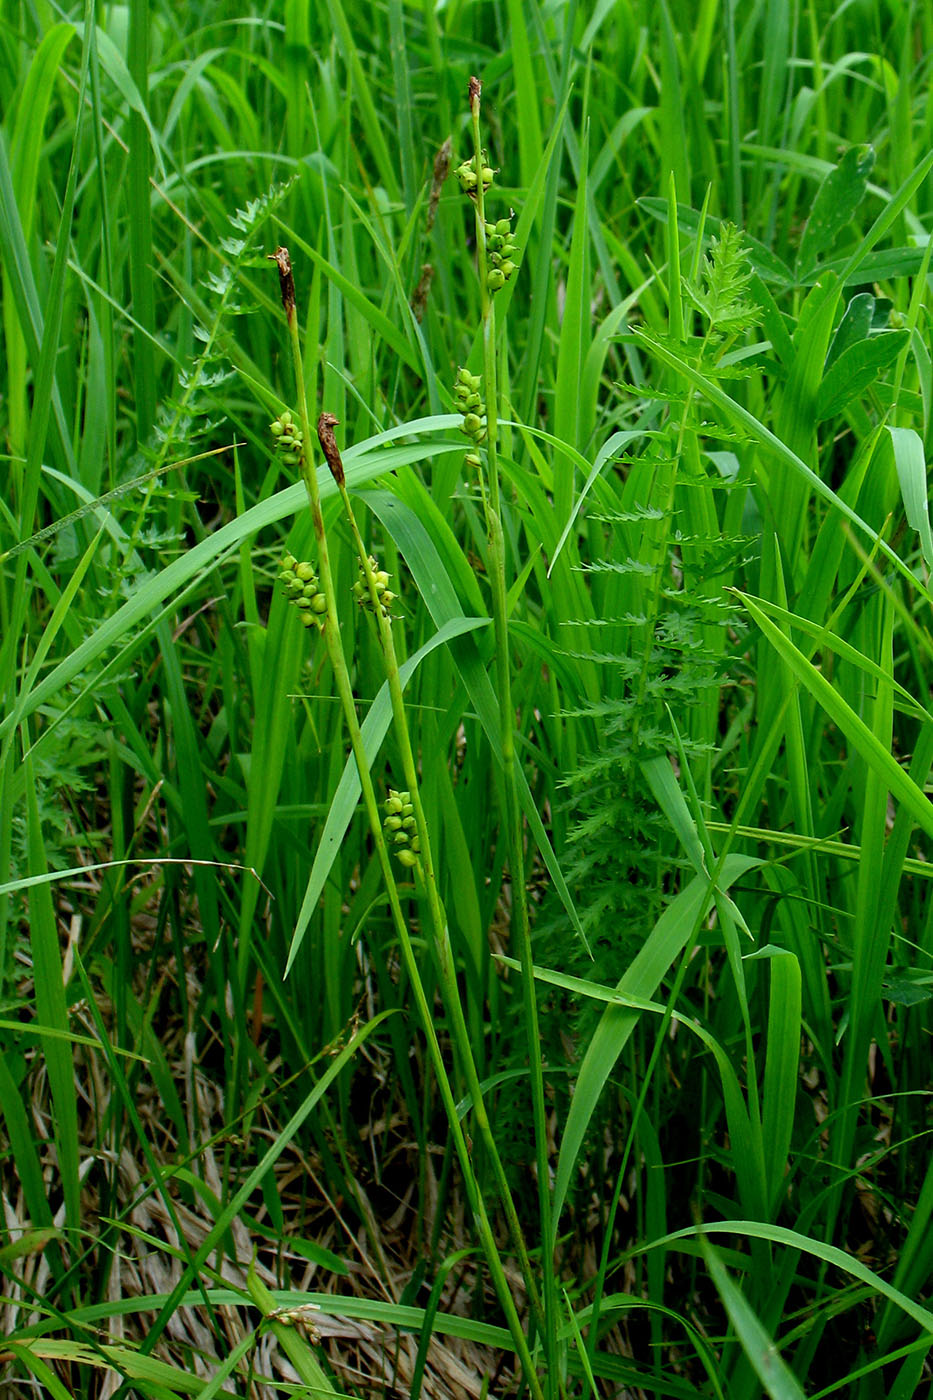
pixel 662 946
pixel 375 144
pixel 361 465
pixel 434 585
pixel 773 1373
pixel 740 417
pixel 52 1010
pixel 347 795
pixel 782 1060
pixel 910 461
pixel 901 785
pixel 285 1325
pixel 778 1234
pixel 574 334
pixel 240 1197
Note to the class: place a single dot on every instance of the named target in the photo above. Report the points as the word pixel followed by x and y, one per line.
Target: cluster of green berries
pixel 288 438
pixel 466 174
pixel 469 402
pixel 400 828
pixel 361 588
pixel 502 251
pixel 302 589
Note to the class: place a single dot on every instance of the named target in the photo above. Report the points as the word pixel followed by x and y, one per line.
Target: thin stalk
pixel 520 923
pixel 427 871
pixel 331 632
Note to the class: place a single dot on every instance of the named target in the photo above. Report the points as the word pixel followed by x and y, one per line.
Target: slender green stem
pixel 520 924
pixel 331 632
pixel 437 914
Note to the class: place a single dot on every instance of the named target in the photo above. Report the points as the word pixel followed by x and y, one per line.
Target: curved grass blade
pixel 663 945
pixel 773 1373
pixel 901 785
pixel 345 799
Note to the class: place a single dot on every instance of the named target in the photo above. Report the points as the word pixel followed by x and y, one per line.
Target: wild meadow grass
pixel 465 921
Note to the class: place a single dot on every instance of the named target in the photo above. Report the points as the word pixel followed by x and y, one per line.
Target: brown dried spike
pixel 419 297
pixel 325 436
pixel 476 88
pixel 282 259
pixel 441 171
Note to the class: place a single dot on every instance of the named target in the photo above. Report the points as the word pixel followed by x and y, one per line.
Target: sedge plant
pixel 495 267
pixel 322 606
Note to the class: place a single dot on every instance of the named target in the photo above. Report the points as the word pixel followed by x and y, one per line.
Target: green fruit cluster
pixel 302 589
pixel 288 438
pixel 502 252
pixel 466 174
pixel 469 402
pixel 400 827
pixel 361 588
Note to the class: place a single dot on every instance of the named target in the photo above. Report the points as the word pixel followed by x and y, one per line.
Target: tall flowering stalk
pixel 407 830
pixel 496 264
pixel 322 611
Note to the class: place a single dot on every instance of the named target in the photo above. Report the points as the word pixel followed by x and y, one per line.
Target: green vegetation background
pixel 714 414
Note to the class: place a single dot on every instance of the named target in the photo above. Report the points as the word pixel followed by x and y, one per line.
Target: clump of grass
pixel 658 657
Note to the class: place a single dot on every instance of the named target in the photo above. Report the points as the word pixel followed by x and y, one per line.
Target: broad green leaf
pixel 857 367
pixel 836 201
pixel 854 326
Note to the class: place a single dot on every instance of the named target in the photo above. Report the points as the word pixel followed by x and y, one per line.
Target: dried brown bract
pixel 282 259
pixel 325 433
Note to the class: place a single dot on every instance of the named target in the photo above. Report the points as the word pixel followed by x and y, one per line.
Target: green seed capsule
pixel 407 858
pixel 495 279
pixel 319 603
pixel 507 269
pixel 472 423
pixel 504 227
